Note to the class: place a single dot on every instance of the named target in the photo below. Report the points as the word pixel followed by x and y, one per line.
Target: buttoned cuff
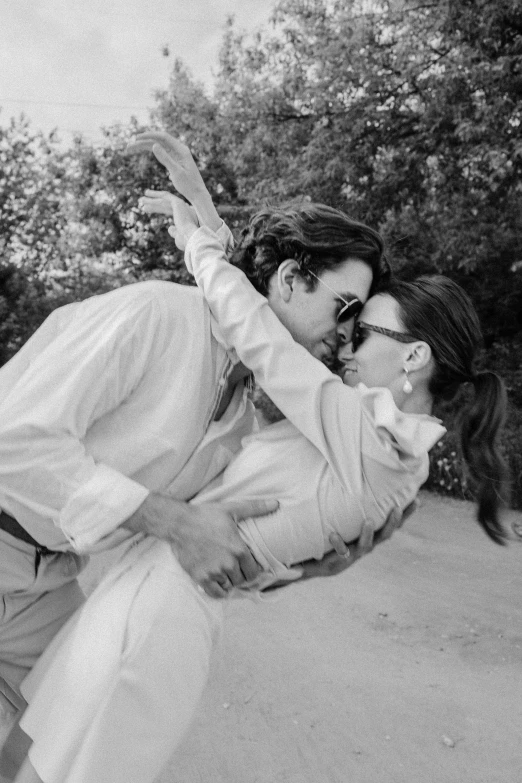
pixel 100 505
pixel 192 244
pixel 224 235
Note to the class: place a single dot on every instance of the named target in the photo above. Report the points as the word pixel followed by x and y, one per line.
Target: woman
pixel 350 450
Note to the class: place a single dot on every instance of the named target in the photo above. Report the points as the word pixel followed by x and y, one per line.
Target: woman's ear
pixel 419 356
pixel 287 272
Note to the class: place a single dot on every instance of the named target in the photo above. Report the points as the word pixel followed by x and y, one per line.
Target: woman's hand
pixel 344 556
pixel 182 170
pixel 161 202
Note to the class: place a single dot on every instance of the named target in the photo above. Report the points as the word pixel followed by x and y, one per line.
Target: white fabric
pixel 360 457
pixel 107 401
pixel 124 676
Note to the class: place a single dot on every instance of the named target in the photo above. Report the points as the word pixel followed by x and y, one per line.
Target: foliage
pixel 406 114
pixel 401 115
pixel 32 189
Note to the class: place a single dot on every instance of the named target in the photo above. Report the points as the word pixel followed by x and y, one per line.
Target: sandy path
pixel 406 669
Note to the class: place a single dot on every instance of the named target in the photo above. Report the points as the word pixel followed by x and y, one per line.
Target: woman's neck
pixel 419 401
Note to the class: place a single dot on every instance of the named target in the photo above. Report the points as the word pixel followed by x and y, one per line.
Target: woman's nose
pixel 345 352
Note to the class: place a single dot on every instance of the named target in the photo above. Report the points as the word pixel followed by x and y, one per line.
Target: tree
pixel 406 114
pixel 31 191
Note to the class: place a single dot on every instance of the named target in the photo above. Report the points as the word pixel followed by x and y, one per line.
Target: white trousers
pixel 114 694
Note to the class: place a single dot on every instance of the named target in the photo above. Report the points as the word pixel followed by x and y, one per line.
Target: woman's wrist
pixel 206 211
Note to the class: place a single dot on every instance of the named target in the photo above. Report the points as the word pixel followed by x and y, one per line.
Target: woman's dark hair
pixel 438 311
pixel 318 237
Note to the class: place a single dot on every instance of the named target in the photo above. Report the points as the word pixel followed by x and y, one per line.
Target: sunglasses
pixel 350 310
pixel 361 330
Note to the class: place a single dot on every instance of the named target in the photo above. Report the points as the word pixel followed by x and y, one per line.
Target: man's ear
pixel 287 272
pixel 419 356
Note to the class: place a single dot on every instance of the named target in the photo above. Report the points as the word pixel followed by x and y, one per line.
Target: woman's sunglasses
pixel 350 310
pixel 361 330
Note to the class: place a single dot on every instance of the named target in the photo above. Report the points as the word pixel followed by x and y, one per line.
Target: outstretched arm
pixel 183 173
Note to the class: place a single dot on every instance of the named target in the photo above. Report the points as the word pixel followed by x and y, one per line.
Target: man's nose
pixel 345 332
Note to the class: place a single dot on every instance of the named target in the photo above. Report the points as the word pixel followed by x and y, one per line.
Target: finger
pixel 161 154
pixel 180 208
pixel 158 137
pixel 252 508
pixel 159 194
pixel 338 544
pixel 234 574
pixel 393 522
pixel 136 147
pixel 143 142
pixel 516 527
pixel 411 509
pixel 214 589
pixel 155 207
pixel 365 541
pixel 168 142
pixel 225 582
pixel 249 566
pixel 330 565
pixel 178 237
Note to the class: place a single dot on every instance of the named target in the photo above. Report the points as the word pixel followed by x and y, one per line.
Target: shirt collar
pixel 414 433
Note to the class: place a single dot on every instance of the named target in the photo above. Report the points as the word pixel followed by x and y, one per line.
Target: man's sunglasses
pixel 350 310
pixel 361 330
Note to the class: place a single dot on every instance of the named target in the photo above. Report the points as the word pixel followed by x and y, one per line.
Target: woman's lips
pixel 349 369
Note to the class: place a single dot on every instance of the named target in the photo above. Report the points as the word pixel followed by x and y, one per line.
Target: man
pixel 120 408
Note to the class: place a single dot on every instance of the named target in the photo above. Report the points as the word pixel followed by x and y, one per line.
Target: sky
pixel 77 65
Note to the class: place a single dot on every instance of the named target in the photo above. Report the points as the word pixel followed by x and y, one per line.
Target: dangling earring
pixel 407 388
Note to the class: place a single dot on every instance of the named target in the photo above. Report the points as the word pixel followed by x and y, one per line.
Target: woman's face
pixel 379 359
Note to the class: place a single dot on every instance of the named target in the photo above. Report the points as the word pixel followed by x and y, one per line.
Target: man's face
pixel 311 316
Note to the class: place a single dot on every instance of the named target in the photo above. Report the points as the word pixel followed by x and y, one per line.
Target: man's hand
pixel 344 556
pixel 204 538
pixel 182 170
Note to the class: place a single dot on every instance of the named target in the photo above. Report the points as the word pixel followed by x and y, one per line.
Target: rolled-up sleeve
pixel 89 369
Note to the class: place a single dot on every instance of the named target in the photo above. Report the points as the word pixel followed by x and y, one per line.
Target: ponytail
pixel 480 429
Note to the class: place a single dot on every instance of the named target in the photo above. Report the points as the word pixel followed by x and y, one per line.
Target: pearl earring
pixel 407 388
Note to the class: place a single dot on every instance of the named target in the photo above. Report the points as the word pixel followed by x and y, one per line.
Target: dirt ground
pixel 407 668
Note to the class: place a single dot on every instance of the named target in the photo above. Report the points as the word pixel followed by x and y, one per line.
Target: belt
pixel 11 526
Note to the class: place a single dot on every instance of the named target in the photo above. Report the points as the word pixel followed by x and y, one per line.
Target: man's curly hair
pixel 318 237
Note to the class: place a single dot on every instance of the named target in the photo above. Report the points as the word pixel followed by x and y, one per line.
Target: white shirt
pixel 112 398
pixel 344 456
